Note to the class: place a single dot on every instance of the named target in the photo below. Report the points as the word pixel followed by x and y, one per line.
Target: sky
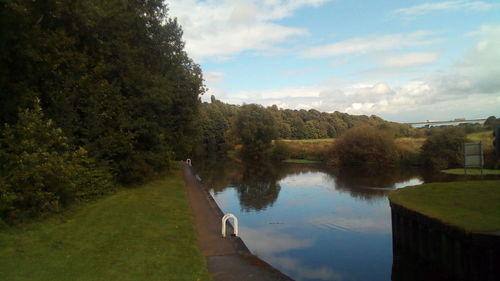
pixel 404 61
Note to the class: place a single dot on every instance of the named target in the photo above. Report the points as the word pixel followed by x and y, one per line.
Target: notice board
pixel 473 155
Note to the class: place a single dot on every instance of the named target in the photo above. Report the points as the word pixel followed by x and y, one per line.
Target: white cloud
pixel 407 60
pixel 224 28
pixel 372 43
pixel 481 62
pixel 214 83
pixel 426 8
pixel 213 77
pixel 468 88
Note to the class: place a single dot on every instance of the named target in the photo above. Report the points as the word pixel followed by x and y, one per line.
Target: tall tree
pixel 256 128
pixel 112 74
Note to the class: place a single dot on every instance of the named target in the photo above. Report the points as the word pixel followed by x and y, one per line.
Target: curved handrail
pixel 235 222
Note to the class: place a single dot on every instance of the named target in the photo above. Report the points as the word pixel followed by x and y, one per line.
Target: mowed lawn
pixel 470 205
pixel 143 233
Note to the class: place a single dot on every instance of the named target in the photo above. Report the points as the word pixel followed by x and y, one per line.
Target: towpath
pixel 228 259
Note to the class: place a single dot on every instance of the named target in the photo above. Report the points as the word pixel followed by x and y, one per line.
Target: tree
pixel 444 148
pixel 113 75
pixel 214 124
pixel 364 147
pixel 256 128
pixel 491 122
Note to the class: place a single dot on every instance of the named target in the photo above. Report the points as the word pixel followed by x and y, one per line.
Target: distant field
pixel 410 144
pixel 317 149
pixel 486 138
pixel 471 172
pixel 309 140
pixel 481 135
pixel 309 149
pixel 301 161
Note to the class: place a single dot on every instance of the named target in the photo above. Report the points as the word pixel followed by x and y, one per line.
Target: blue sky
pixel 401 60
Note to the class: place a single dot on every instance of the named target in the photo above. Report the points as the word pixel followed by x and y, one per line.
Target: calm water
pixel 310 223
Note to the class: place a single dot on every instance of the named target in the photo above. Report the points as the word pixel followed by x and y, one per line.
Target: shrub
pixel 364 147
pixel 444 149
pixel 40 174
pixel 280 151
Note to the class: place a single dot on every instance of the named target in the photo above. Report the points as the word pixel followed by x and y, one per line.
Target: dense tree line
pixel 113 81
pixel 368 141
pixel 222 124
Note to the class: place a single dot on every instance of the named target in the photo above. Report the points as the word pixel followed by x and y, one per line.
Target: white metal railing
pixel 235 223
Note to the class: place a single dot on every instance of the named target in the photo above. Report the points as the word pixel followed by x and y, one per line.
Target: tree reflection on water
pixel 258 183
pixel 365 184
pixel 258 187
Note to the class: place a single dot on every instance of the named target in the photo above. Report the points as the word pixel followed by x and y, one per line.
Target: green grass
pixel 143 233
pixel 309 149
pixel 310 140
pixel 412 145
pixel 469 205
pixel 471 172
pixel 301 161
pixel 486 138
pixel 481 135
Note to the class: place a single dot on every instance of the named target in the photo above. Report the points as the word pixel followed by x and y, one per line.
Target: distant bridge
pixel 456 120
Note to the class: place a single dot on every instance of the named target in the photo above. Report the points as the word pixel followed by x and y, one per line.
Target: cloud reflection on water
pixel 269 243
pixel 301 271
pixel 358 224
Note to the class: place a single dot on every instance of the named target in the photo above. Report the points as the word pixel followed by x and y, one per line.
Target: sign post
pixel 473 156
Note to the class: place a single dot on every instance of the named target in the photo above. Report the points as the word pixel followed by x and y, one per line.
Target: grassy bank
pixel 301 161
pixel 318 149
pixel 470 205
pixel 485 137
pixel 412 145
pixel 309 149
pixel 409 148
pixel 471 172
pixel 144 233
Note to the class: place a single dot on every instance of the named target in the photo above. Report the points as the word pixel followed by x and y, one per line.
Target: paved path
pixel 228 259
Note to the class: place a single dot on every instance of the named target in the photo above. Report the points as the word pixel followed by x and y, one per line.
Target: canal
pixel 309 222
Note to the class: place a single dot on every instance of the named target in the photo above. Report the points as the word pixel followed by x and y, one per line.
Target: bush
pixel 364 147
pixel 40 174
pixel 444 149
pixel 280 151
